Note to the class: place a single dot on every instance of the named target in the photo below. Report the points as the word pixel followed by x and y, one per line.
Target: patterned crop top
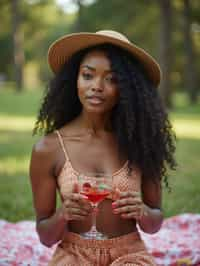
pixel 121 180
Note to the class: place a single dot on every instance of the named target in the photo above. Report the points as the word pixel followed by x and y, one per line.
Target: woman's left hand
pixel 129 205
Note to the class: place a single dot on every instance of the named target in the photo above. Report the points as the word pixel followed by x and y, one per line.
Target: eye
pixel 87 76
pixel 111 78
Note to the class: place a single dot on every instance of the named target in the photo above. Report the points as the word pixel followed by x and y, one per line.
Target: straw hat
pixel 62 49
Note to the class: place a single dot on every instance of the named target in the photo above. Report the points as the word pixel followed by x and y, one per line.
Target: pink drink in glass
pixel 96 187
pixel 95 194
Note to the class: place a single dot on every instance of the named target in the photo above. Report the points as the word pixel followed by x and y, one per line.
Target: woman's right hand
pixel 75 206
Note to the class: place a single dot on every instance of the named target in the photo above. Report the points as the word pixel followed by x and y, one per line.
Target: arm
pixel 152 216
pixel 50 222
pixel 145 208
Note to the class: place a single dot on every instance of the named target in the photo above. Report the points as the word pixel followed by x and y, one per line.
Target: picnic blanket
pixel 176 244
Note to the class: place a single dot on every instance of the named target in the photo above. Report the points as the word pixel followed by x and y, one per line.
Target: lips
pixel 95 99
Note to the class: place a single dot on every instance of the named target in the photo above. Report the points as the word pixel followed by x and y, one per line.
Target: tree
pixel 78 23
pixel 166 50
pixel 5 41
pixel 190 63
pixel 17 37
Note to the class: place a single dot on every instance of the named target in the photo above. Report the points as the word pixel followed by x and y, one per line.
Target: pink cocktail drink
pixel 96 187
pixel 96 197
pixel 95 194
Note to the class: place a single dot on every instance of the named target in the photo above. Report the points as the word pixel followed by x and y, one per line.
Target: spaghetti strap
pixel 62 144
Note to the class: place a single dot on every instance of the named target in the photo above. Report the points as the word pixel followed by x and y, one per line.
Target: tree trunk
pixel 166 50
pixel 190 67
pixel 18 52
pixel 78 24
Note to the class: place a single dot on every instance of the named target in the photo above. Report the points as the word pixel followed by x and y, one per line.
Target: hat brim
pixel 62 49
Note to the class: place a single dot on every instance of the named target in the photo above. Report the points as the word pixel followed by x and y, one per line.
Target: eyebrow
pixel 93 68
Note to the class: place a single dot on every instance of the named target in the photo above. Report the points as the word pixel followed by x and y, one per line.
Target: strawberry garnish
pixel 86 186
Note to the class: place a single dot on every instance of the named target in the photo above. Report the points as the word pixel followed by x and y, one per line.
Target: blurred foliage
pixel 44 21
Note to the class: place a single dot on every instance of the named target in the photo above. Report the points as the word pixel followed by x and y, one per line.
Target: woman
pixel 101 113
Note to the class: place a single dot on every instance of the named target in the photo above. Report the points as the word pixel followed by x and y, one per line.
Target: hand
pixel 76 206
pixel 129 205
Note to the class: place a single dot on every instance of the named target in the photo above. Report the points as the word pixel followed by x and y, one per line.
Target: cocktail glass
pixel 96 187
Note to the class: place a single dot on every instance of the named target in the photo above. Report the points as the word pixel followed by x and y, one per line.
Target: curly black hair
pixel 139 120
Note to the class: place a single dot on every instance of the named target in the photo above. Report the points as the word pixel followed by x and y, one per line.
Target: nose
pixel 97 85
pixel 97 89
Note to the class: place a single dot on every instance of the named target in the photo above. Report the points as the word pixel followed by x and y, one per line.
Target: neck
pixel 95 123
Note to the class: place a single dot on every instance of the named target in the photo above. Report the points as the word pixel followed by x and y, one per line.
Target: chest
pixel 94 155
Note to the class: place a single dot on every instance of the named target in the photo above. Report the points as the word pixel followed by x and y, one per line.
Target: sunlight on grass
pixel 16 123
pixel 187 128
pixel 14 166
pixel 183 127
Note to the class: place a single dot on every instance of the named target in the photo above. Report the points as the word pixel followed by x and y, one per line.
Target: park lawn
pixel 17 116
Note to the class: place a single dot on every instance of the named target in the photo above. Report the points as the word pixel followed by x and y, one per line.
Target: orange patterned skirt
pixel 126 250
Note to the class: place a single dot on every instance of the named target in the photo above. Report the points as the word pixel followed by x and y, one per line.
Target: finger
pixel 71 204
pixel 75 188
pixel 126 201
pixel 126 209
pixel 68 213
pixel 84 204
pixel 116 194
pixel 131 215
pixel 78 197
pixel 126 194
pixel 75 217
pixel 75 211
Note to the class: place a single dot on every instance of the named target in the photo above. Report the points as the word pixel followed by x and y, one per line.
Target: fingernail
pixel 115 211
pixel 114 205
pixel 84 197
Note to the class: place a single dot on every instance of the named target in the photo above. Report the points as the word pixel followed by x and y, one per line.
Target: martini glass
pixel 96 186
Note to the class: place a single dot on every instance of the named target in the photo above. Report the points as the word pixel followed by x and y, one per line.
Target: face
pixel 97 84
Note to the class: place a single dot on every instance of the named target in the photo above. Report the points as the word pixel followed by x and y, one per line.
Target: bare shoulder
pixel 42 176
pixel 44 154
pixel 152 192
pixel 45 145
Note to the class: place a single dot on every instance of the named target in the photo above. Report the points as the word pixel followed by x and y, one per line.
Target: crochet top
pixel 121 180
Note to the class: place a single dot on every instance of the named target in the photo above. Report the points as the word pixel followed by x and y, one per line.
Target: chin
pixel 94 108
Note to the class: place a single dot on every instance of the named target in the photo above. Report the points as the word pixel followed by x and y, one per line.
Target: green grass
pixel 17 116
pixel 185 181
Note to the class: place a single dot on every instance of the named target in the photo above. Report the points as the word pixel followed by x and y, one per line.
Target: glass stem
pixel 94 215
